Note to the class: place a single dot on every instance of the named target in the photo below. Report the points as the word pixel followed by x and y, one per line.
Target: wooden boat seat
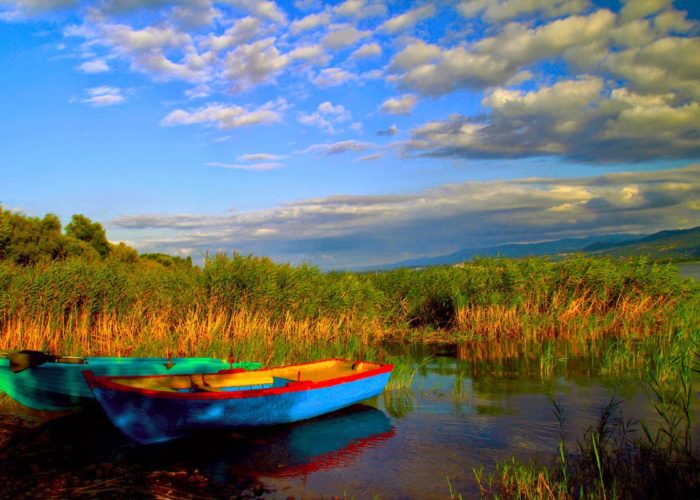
pixel 325 370
pixel 309 373
pixel 180 382
pixel 238 379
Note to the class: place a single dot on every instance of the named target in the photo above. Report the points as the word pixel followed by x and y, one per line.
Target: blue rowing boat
pixel 56 383
pixel 150 409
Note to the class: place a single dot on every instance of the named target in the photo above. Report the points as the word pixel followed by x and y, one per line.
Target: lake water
pixel 456 416
pixel 690 270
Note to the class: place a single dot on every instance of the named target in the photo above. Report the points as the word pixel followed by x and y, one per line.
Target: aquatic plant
pixel 256 307
pixel 612 460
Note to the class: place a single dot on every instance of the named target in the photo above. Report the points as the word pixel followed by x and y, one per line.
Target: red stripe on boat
pixel 293 386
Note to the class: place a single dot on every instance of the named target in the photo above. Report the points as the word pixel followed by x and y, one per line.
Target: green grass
pixel 259 308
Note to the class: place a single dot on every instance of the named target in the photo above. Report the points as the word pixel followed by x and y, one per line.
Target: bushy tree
pixel 30 240
pixel 84 229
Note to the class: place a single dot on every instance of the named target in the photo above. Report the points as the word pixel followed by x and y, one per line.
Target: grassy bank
pixel 264 310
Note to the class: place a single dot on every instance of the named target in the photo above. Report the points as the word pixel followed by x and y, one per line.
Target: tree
pixel 122 252
pixel 84 229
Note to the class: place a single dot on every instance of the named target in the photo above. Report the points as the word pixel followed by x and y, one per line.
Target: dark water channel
pixel 456 415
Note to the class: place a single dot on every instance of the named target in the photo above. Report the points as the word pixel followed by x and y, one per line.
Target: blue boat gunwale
pixel 107 382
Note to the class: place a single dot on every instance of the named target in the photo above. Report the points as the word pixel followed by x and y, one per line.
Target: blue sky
pixel 355 133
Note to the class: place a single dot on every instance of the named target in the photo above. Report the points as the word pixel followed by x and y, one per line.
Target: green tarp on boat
pixel 57 383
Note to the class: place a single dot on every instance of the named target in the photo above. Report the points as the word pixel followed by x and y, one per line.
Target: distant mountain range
pixel 674 244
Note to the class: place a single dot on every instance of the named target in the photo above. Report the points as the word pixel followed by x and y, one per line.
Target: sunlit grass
pixel 256 309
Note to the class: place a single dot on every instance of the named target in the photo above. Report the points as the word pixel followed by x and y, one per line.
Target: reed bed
pixel 254 308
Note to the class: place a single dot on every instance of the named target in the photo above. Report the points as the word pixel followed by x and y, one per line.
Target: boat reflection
pixel 327 442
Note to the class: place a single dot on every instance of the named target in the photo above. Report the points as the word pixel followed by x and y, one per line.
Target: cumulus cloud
pixel 365 230
pixel 147 49
pixel 575 119
pixel 310 22
pixel 408 19
pixel 263 8
pixel 341 36
pixel 402 105
pixel 313 54
pixel 665 65
pixel 633 9
pixel 432 70
pixel 94 66
pixel 104 96
pixel 367 50
pixel 503 10
pixel 673 21
pixel 332 77
pixel 242 31
pixel 226 117
pixel 254 63
pixel 360 9
pixel 15 10
pixel 326 117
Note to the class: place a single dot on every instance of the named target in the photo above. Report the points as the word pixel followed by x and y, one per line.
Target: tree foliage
pixel 83 229
pixel 32 240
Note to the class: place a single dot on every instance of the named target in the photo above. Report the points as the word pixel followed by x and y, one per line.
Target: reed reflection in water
pixel 455 415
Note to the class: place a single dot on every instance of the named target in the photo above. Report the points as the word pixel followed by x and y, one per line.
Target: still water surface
pixel 690 270
pixel 457 415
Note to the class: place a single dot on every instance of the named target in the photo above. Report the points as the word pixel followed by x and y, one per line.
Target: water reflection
pixel 76 449
pixel 324 443
pixel 464 408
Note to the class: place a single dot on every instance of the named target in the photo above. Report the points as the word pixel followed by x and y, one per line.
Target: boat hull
pixel 149 417
pixel 62 386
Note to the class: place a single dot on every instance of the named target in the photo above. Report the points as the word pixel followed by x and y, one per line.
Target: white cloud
pixel 145 49
pixel 415 54
pixel 365 230
pixel 667 65
pixel 367 50
pixel 326 117
pixel 503 10
pixel 633 9
pixel 255 63
pixel 225 117
pixel 494 60
pixel 341 36
pixel 338 147
pixel 408 19
pixel 310 53
pixel 573 119
pixel 310 22
pixel 673 21
pixel 266 9
pixel 360 9
pixel 254 167
pixel 264 157
pixel 104 96
pixel 332 77
pixel 94 66
pixel 372 157
pixel 16 10
pixel 242 31
pixel 402 105
pixel 198 92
